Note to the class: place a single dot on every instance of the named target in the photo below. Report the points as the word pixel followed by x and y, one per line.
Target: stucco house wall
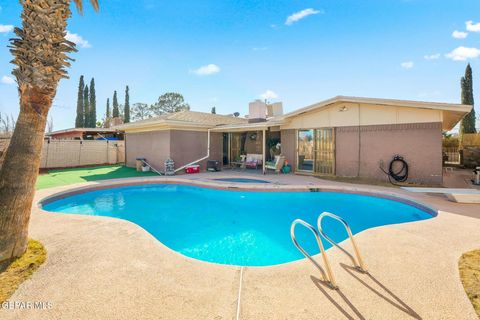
pixel 187 146
pixel 182 146
pixel 288 144
pixel 152 145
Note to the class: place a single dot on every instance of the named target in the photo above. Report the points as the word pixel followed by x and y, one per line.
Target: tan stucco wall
pixel 154 145
pixel 419 144
pixel 354 114
pixel 180 145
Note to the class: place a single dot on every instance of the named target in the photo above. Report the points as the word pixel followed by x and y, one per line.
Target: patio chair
pixel 253 161
pixel 276 164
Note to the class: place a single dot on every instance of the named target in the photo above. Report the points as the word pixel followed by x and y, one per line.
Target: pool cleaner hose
pixel 400 174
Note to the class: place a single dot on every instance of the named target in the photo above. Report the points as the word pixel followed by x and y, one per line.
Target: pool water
pixel 236 227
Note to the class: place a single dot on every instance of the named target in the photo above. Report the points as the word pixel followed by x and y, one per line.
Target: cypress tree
pixel 115 111
pixel 79 119
pixel 86 107
pixel 214 110
pixel 126 111
pixel 107 113
pixel 93 105
pixel 468 123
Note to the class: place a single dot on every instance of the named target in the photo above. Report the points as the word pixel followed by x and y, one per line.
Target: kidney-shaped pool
pixel 236 227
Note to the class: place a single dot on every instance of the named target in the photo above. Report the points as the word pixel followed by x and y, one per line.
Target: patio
pixel 104 268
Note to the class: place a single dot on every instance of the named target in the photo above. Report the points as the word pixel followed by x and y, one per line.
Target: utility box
pixel 213 165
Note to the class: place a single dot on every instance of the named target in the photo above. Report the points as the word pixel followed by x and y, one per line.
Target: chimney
pixel 275 109
pixel 257 111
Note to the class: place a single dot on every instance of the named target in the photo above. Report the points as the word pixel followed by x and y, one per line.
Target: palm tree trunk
pixel 19 171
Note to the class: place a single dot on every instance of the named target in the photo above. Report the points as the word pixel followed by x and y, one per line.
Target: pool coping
pixel 254 295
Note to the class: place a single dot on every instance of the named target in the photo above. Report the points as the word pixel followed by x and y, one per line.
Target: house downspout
pixel 201 159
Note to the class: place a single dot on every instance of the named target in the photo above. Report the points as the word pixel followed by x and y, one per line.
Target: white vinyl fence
pixel 76 153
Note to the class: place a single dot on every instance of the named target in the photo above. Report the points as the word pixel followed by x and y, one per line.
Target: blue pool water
pixel 236 227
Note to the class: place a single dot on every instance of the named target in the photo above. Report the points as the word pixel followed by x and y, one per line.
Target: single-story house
pixel 342 136
pixel 86 134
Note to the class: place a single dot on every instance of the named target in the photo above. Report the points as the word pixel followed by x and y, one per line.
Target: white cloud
pixel 435 56
pixel 269 94
pixel 78 40
pixel 407 64
pixel 260 48
pixel 207 70
pixel 300 15
pixel 463 53
pixel 473 27
pixel 459 34
pixel 7 80
pixel 4 28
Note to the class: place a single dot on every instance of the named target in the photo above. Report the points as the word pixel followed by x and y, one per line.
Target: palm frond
pixel 79 4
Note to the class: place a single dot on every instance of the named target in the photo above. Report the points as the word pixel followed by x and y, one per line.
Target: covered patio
pixel 250 145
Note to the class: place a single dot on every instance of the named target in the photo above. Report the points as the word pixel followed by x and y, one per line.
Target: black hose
pixel 400 175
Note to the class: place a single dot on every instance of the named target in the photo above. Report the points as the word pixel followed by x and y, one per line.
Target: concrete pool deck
pixel 105 268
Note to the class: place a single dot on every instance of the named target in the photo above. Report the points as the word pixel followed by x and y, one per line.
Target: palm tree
pixel 40 55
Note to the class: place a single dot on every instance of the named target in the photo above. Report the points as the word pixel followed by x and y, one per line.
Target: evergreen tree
pixel 79 119
pixel 106 123
pixel 126 110
pixel 107 113
pixel 115 111
pixel 86 108
pixel 468 123
pixel 93 106
pixel 214 110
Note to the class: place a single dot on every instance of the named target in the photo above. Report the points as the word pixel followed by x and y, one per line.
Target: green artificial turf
pixel 62 177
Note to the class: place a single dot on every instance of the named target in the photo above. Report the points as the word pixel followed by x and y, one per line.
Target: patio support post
pixel 264 138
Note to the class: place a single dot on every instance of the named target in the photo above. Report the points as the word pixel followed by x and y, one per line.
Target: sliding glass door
pixel 306 154
pixel 316 151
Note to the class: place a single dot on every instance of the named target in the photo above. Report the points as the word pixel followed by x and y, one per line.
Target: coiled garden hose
pixel 401 174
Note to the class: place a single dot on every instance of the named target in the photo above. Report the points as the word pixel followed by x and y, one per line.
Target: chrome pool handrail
pixel 358 263
pixel 328 275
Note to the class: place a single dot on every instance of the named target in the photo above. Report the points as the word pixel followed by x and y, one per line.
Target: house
pixel 342 136
pixel 86 134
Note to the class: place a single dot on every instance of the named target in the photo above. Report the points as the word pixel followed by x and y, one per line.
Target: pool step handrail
pixel 328 274
pixel 358 262
pixel 149 165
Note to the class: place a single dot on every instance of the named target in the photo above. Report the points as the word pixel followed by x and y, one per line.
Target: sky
pixel 228 53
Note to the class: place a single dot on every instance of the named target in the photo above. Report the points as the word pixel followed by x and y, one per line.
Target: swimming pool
pixel 235 227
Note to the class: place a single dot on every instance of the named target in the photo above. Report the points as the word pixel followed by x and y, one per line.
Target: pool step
pixel 327 273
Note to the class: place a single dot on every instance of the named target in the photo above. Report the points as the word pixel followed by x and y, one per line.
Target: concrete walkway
pixel 105 268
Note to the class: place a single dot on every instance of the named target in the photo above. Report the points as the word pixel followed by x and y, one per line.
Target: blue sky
pixel 403 49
